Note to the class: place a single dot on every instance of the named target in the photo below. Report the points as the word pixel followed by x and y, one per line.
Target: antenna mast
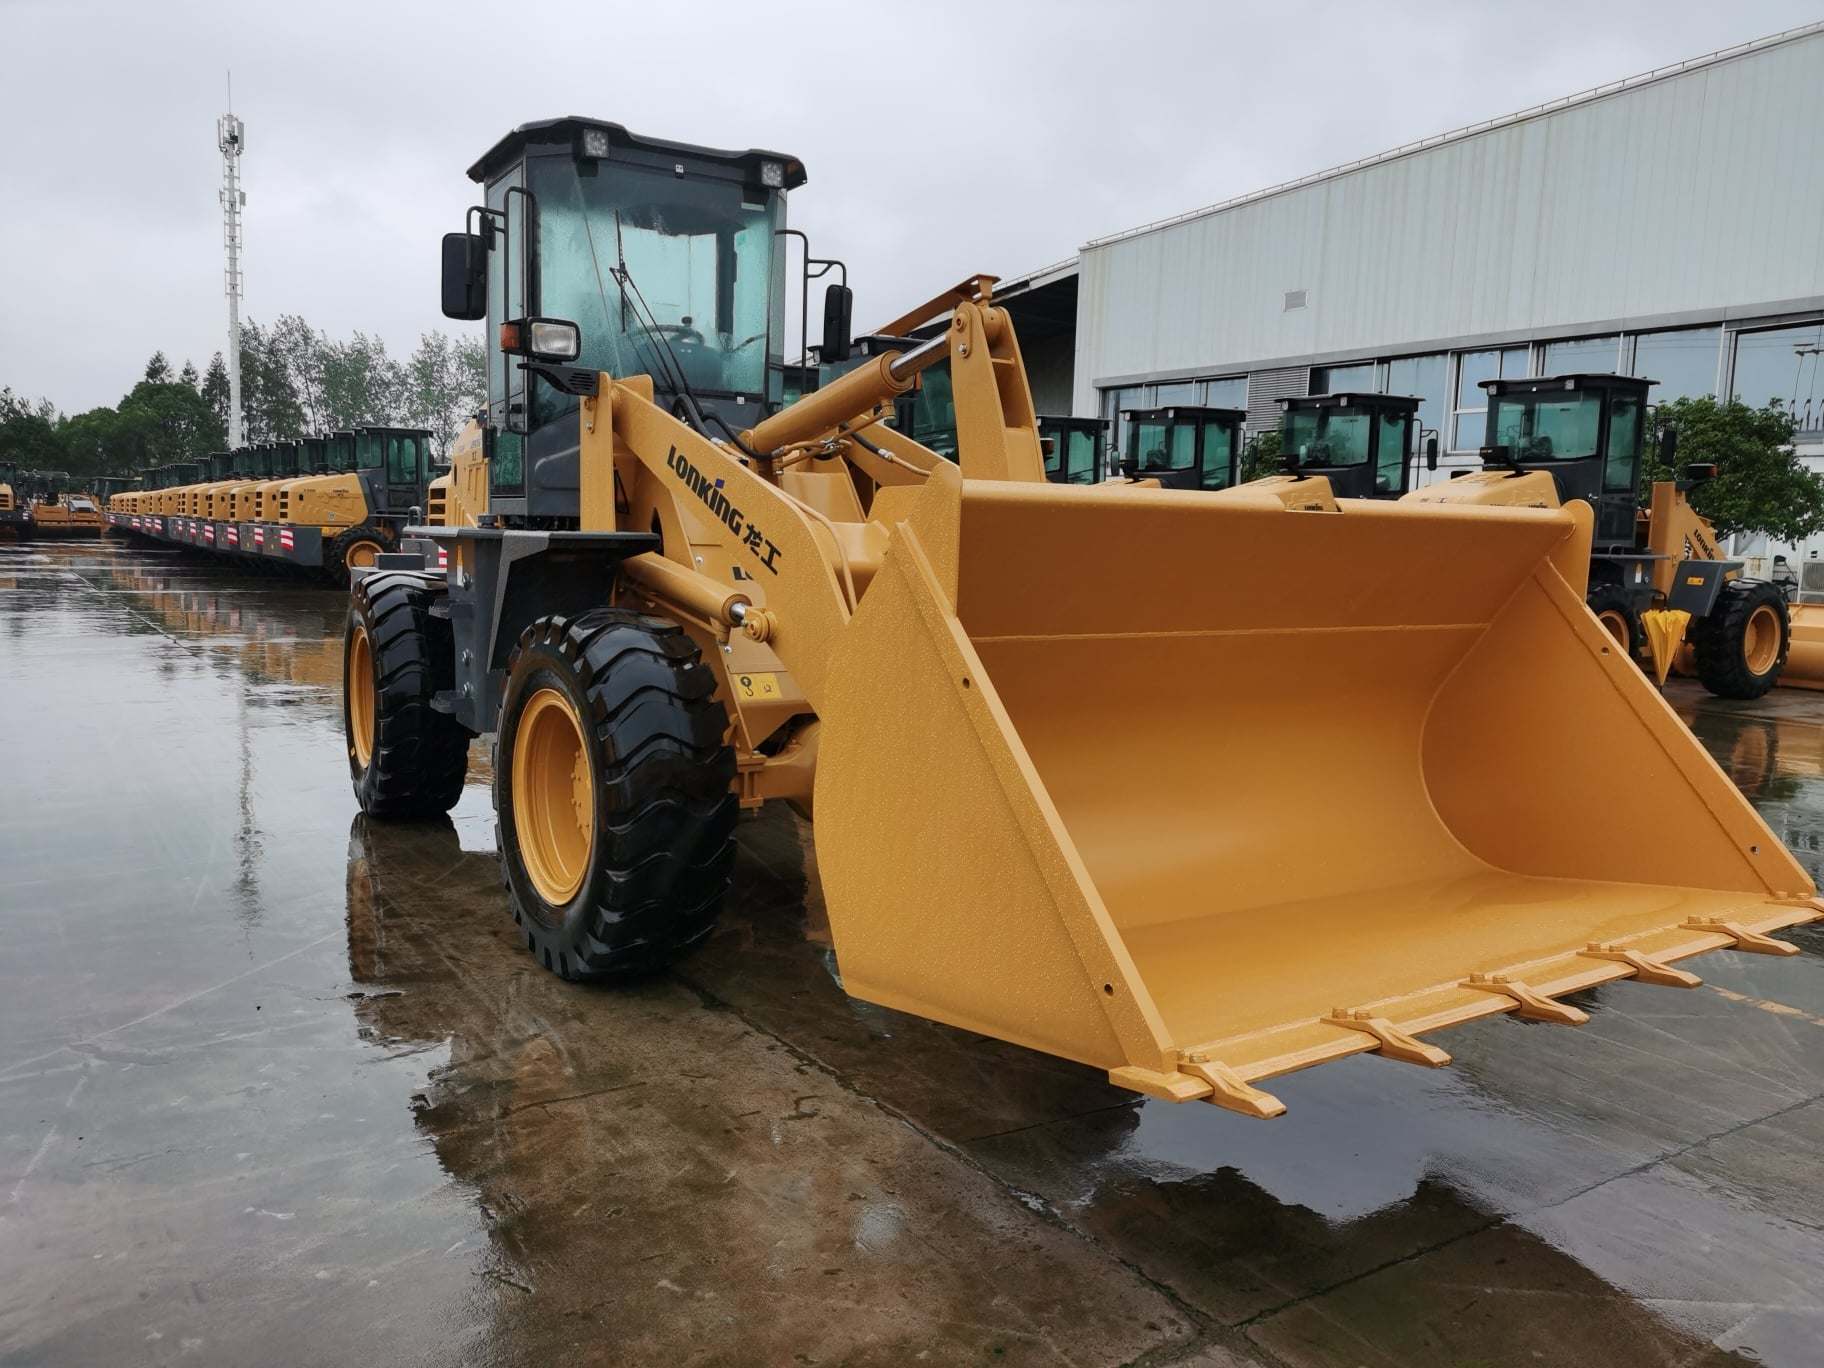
pixel 231 137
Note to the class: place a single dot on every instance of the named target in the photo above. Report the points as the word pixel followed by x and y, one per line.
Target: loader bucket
pixel 1804 668
pixel 1203 791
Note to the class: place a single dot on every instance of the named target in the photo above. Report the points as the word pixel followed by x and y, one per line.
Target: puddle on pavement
pixel 491 1165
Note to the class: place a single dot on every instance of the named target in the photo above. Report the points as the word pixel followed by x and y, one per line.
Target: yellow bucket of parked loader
pixel 1264 820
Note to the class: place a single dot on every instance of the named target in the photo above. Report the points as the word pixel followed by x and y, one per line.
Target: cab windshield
pixel 1218 454
pixel 931 414
pixel 700 255
pixel 1327 437
pixel 1070 452
pixel 401 458
pixel 1545 427
pixel 1159 446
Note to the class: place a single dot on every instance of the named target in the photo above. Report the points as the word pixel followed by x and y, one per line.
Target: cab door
pixel 508 417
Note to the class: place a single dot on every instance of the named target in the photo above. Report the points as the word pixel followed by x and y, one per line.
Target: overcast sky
pixel 941 138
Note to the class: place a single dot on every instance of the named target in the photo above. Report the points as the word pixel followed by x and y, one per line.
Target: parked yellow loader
pixel 1659 580
pixel 671 608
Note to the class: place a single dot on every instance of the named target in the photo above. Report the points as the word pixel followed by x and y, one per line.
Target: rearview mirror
pixel 1431 452
pixel 1668 446
pixel 465 276
pixel 838 315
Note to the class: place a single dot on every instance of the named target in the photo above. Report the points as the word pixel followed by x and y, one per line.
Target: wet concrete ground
pixel 277 1086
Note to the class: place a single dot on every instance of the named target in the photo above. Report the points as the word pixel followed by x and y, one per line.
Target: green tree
pixel 361 383
pixel 215 389
pixel 303 354
pixel 160 423
pixel 1261 455
pixel 29 435
pixel 1760 485
pixel 189 376
pixel 472 373
pixel 97 443
pixel 445 384
pixel 158 370
pixel 271 410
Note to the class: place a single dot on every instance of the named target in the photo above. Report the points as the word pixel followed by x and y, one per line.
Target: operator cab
pixel 1074 449
pixel 1586 430
pixel 1184 446
pixel 392 461
pixel 340 458
pixel 1359 442
pixel 669 260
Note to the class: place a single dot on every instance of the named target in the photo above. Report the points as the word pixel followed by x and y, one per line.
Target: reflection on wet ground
pixel 277 1086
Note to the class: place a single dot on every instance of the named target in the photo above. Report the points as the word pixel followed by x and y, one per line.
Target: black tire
pixel 415 757
pixel 1616 613
pixel 1736 658
pixel 661 840
pixel 335 555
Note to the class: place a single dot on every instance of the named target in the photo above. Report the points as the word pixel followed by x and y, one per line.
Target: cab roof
pixel 1540 384
pixel 1396 403
pixel 567 132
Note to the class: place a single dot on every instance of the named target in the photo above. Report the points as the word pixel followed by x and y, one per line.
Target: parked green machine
pixel 1075 449
pixel 1364 444
pixel 1184 446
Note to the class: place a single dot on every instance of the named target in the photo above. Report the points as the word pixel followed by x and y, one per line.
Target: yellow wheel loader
pixel 349 516
pixel 1659 581
pixel 12 505
pixel 672 606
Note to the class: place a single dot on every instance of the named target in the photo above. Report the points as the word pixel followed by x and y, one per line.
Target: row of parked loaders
pixel 318 506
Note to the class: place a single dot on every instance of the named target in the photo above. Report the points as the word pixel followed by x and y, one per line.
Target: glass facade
pixel 1782 364
pixel 1352 379
pixel 1683 362
pixel 1229 392
pixel 1583 356
pixel 1427 379
pixel 1469 427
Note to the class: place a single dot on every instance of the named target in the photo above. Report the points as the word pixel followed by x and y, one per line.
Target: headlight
pixel 595 142
pixel 552 339
pixel 772 174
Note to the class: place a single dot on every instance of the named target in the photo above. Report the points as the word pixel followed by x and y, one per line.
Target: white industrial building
pixel 1669 225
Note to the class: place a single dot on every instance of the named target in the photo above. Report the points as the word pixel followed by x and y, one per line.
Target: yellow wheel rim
pixel 553 796
pixel 1761 640
pixel 358 686
pixel 362 553
pixel 1615 625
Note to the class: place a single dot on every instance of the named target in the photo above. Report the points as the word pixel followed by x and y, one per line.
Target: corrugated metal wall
pixel 1700 191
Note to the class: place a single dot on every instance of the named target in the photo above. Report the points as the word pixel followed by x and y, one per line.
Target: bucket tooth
pixel 1231 1091
pixel 1646 968
pixel 1752 941
pixel 1391 1040
pixel 1530 1003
